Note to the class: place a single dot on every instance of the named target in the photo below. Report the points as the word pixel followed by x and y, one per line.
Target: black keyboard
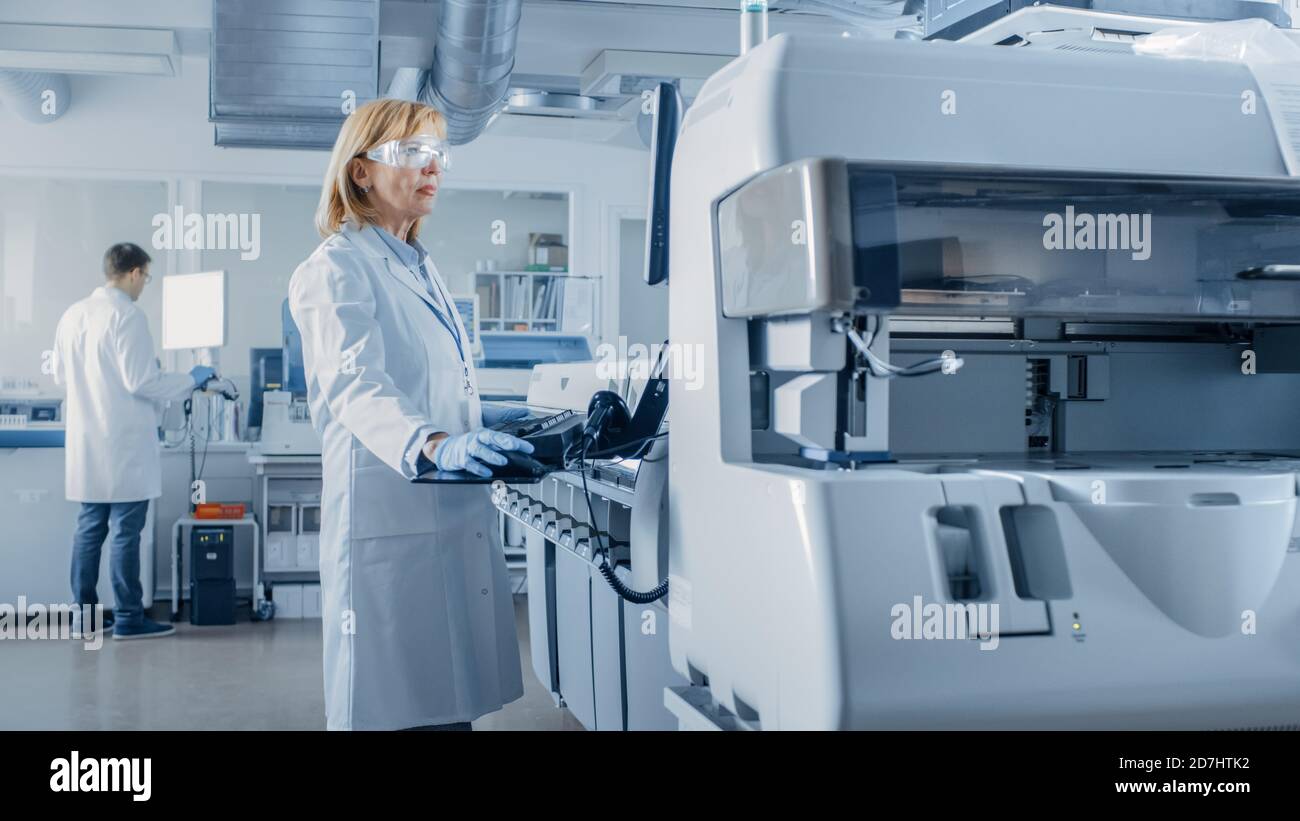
pixel 532 424
pixel 549 435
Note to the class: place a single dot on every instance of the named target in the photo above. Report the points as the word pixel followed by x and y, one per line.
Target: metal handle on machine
pixel 1272 273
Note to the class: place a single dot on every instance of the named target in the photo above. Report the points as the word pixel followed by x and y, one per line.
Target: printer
pixel 1000 418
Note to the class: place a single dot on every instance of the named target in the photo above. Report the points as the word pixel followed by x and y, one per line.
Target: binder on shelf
pixel 487 292
pixel 539 297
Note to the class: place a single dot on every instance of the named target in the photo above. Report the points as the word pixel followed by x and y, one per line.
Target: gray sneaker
pixel 79 634
pixel 146 629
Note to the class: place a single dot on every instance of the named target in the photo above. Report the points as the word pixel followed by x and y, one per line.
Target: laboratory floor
pixel 263 676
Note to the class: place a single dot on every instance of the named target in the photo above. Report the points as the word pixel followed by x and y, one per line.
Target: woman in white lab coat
pixel 418 619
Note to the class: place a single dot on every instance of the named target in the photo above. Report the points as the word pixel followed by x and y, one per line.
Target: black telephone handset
pixel 616 435
pixel 607 428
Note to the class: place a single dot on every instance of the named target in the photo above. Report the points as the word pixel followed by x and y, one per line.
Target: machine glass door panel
pixel 981 242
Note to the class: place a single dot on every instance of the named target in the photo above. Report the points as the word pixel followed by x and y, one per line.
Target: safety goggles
pixel 412 152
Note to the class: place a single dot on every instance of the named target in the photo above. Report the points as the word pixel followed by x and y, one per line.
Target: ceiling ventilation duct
pixel 284 74
pixel 36 97
pixel 473 57
pixel 634 73
pixel 472 80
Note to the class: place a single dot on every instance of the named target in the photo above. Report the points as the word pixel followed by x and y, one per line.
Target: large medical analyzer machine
pixel 983 327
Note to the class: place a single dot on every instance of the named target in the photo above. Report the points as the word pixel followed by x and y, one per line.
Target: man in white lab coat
pixel 104 355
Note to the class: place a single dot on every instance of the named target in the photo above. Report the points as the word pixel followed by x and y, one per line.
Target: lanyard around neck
pixel 446 321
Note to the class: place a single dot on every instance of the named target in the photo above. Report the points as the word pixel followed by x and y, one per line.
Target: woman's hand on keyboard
pixel 477 451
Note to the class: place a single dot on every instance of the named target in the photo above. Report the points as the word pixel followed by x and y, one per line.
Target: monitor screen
pixel 665 109
pixel 295 373
pixel 467 307
pixel 194 310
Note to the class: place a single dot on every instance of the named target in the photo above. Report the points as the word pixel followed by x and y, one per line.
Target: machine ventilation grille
pixel 1074 47
pixel 1271 728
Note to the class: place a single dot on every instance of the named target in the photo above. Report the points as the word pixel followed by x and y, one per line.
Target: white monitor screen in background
pixel 194 310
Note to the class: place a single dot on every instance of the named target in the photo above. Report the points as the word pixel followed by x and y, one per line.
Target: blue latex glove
pixel 476 450
pixel 494 415
pixel 201 374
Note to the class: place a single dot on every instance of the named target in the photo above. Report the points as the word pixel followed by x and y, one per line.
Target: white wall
pixel 156 129
pixel 256 287
pixel 642 309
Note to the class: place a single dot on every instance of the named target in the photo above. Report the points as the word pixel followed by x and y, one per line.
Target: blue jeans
pixel 121 522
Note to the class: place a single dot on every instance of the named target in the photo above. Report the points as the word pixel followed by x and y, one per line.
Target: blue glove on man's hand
pixel 470 451
pixel 201 374
pixel 496 414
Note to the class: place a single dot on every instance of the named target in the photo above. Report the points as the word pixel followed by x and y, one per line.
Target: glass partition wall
pixel 53 235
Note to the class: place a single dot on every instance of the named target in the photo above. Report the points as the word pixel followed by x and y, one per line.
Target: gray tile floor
pixel 264 676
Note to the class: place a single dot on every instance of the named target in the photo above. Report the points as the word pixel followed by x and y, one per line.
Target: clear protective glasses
pixel 413 152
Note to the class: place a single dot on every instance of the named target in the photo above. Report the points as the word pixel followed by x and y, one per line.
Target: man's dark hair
pixel 124 258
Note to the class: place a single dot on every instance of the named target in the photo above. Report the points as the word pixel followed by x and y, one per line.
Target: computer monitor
pixel 467 306
pixel 295 370
pixel 194 310
pixel 666 113
pixel 266 369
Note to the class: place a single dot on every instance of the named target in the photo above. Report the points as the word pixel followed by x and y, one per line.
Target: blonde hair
pixel 374 123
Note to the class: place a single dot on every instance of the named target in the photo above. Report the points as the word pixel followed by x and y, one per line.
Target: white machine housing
pixel 1171 604
pixel 286 426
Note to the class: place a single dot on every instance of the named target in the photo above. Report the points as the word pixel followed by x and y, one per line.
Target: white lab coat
pixel 419 623
pixel 104 355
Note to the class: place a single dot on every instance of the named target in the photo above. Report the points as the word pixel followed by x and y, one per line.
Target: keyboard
pixel 549 435
pixel 530 425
